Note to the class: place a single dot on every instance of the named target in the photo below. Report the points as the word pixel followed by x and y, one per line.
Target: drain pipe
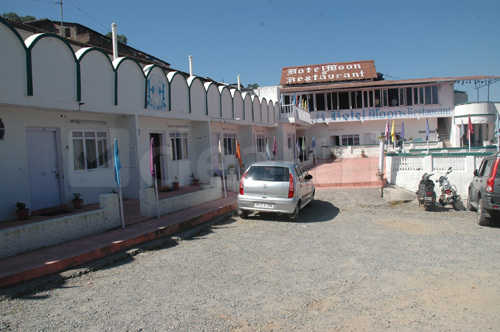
pixel 115 41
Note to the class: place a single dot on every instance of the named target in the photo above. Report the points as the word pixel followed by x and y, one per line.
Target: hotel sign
pixel 329 72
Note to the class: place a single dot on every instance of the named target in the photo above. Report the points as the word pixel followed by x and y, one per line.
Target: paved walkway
pixel 57 258
pixel 348 172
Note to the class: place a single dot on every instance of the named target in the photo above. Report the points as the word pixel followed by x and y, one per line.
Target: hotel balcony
pixel 294 114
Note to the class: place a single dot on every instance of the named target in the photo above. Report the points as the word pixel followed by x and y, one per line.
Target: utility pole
pixel 60 3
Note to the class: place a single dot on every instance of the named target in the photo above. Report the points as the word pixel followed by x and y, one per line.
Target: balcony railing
pixel 293 113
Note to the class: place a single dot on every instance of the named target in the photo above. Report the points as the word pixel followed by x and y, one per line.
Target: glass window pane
pixel 178 148
pixel 329 101
pixel 343 100
pixel 89 134
pixel 356 140
pixel 335 101
pixel 386 98
pixel 371 98
pixel 90 149
pixel 409 96
pixel 435 99
pixel 78 154
pixel 172 144
pixel 428 97
pixel 101 150
pixel 320 101
pixel 421 96
pixel 77 134
pixel 415 96
pixel 402 97
pixel 393 97
pixel 378 101
pixel 365 98
pixel 269 173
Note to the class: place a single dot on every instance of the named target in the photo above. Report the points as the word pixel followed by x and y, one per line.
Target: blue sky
pixel 407 39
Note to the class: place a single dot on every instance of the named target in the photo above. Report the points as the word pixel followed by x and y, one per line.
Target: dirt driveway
pixel 352 263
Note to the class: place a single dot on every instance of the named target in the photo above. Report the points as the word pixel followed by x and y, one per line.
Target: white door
pixel 43 168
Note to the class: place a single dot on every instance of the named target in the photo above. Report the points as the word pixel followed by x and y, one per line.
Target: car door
pixel 300 183
pixel 478 180
pixel 307 185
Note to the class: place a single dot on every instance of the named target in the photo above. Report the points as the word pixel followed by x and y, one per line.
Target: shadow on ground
pixel 316 211
pixel 38 289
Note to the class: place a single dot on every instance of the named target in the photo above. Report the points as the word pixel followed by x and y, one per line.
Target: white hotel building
pixel 62 104
pixel 348 104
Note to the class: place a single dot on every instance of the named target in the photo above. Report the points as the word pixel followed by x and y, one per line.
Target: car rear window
pixel 268 173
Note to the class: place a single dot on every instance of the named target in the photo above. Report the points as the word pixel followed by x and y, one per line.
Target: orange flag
pixel 238 154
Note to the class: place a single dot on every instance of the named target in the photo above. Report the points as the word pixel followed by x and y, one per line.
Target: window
pixel 229 144
pixel 333 101
pixel 179 144
pixel 415 95
pixel 386 98
pixel 378 101
pixel 357 99
pixel 269 173
pixel 402 97
pixel 428 97
pixel 435 99
pixel 370 98
pixel 348 140
pixel 409 96
pixel 320 101
pixel 90 149
pixel 343 100
pixel 421 95
pixel 287 100
pixel 393 97
pixel 261 144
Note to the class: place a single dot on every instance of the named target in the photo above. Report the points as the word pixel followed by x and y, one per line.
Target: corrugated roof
pixel 366 84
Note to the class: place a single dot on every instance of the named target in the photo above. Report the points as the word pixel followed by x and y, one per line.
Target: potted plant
pixel 194 180
pixel 22 211
pixel 77 201
pixel 175 184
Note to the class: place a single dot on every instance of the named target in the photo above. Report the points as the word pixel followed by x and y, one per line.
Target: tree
pixel 253 86
pixel 121 38
pixel 16 18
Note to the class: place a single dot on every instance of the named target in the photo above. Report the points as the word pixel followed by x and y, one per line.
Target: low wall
pixel 16 240
pixel 176 203
pixel 406 170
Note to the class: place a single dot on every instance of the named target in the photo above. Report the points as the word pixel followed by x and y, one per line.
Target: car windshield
pixel 268 173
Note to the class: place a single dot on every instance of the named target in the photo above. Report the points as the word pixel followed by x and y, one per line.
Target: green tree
pixel 121 38
pixel 16 18
pixel 253 86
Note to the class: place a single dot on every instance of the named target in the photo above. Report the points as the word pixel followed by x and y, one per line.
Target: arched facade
pixel 179 93
pixel 213 100
pixel 157 84
pixel 226 102
pixel 198 98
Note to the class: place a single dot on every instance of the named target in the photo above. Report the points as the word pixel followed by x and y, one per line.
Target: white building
pixel 62 108
pixel 349 104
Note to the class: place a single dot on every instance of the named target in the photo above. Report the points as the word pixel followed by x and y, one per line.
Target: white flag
pixel 220 146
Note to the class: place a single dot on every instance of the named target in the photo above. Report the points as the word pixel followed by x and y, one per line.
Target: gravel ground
pixel 353 262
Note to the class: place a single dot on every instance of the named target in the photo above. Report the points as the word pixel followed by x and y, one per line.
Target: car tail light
pixel 291 188
pixel 242 191
pixel 490 183
pixel 429 193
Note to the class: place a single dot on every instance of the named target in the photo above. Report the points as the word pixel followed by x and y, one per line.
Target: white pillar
pixel 115 40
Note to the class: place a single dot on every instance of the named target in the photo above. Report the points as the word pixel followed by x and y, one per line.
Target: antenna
pixel 60 3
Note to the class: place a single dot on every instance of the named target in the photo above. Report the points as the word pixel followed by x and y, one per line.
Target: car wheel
pixel 482 218
pixel 295 214
pixel 469 202
pixel 244 214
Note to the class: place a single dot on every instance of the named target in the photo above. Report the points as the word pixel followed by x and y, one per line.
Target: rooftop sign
pixel 329 72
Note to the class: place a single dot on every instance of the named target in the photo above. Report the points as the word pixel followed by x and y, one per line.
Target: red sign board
pixel 329 72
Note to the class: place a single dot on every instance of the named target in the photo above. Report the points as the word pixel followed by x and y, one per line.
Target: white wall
pixel 268 92
pixel 227 109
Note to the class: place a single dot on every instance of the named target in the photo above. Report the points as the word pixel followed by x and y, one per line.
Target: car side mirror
pixel 476 173
pixel 308 177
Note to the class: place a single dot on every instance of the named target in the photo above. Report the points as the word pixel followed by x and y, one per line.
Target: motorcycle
pixel 425 193
pixel 449 194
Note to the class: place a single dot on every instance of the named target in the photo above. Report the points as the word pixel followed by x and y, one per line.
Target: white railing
pixel 293 113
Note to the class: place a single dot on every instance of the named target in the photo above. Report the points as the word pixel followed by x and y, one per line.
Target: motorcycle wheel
pixel 428 207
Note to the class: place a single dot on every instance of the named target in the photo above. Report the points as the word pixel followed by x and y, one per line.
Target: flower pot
pixel 78 203
pixel 23 214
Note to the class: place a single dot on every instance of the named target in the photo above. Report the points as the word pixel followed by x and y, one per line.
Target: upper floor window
pixel 90 149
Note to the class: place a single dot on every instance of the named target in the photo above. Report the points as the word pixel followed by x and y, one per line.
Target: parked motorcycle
pixel 425 193
pixel 449 194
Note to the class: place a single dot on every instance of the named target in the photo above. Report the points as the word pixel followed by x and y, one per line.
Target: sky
pixel 407 39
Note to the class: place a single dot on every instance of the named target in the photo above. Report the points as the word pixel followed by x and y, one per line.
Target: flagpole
pixel 155 179
pixel 120 196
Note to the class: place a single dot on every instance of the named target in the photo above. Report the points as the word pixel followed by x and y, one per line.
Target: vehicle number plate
pixel 428 198
pixel 263 205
